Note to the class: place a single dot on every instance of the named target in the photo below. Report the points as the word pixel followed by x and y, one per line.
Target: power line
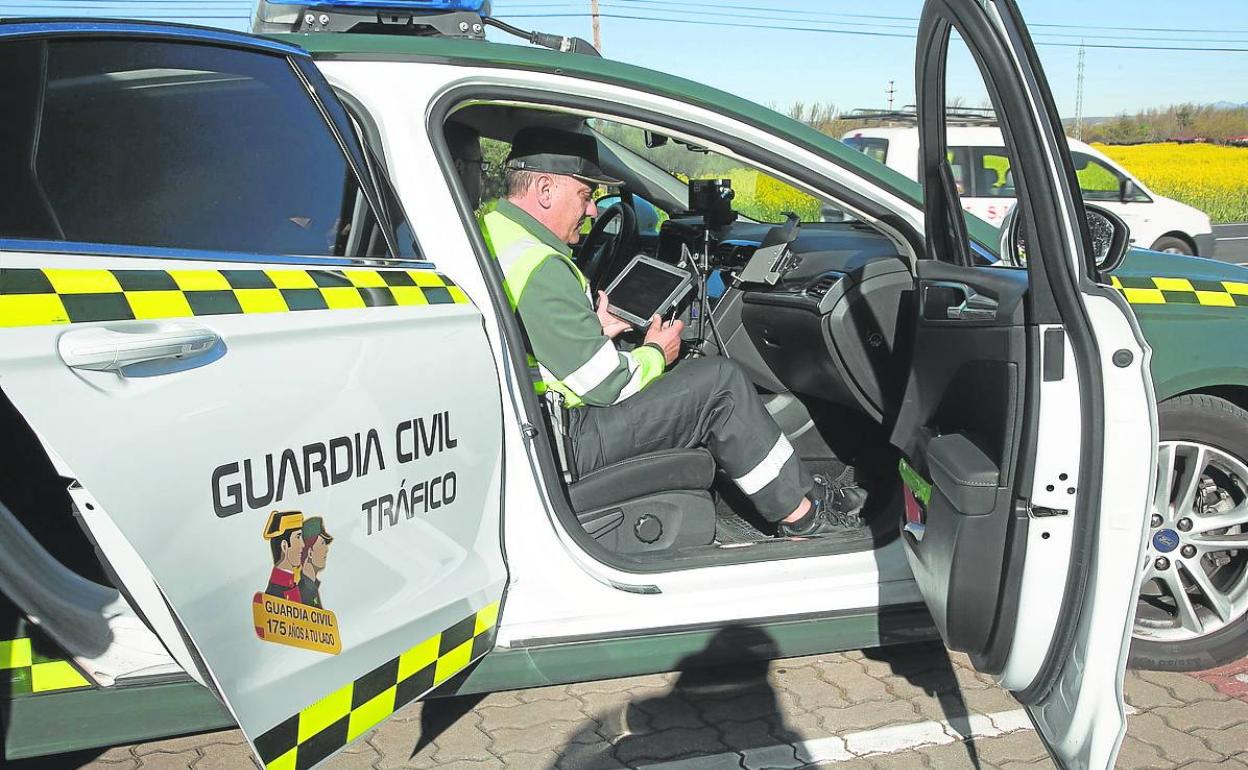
pixel 862 33
pixel 727 4
pixel 753 16
pixel 721 12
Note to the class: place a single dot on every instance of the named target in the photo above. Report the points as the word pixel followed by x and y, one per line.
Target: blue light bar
pixel 429 6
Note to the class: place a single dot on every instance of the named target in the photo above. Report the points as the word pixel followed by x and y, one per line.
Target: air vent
pixel 822 285
pixel 733 253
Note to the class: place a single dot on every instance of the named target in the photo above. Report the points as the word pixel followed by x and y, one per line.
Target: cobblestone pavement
pixel 907 707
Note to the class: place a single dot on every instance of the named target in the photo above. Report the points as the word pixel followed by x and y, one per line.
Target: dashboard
pixel 827 327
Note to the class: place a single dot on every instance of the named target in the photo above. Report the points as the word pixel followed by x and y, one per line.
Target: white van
pixel 981 170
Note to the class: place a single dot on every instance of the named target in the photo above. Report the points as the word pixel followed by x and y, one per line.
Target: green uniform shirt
pixel 551 296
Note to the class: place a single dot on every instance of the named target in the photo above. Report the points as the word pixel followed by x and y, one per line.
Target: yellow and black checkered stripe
pixel 347 713
pixel 1181 291
pixel 30 666
pixel 44 296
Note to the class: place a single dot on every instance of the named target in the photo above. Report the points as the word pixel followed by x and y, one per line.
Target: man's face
pixel 292 549
pixel 571 202
pixel 318 553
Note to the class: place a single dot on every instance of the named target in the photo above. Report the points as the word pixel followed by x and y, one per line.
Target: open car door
pixel 1028 427
pixel 291 464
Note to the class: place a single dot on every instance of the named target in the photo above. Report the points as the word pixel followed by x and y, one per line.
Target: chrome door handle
pixel 975 307
pixel 958 301
pixel 104 350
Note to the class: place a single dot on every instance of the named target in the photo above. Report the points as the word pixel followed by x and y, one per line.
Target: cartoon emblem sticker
pixel 289 610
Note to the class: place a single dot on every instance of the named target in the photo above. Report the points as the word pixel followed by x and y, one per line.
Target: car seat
pixel 986 181
pixel 650 502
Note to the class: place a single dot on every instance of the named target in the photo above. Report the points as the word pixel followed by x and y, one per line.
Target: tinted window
pixel 993 177
pixel 871 146
pixel 177 145
pixel 958 158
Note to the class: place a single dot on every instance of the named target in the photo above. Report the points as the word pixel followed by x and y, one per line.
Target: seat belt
pixel 557 414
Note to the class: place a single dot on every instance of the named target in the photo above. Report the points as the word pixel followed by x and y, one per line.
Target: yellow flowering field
pixel 765 199
pixel 1212 178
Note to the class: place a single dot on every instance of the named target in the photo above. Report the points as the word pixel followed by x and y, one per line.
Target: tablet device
pixel 646 287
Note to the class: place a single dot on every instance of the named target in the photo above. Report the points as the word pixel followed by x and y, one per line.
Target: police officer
pixel 622 404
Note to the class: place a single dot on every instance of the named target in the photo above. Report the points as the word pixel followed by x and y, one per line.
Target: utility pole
pixel 1079 97
pixel 892 89
pixel 593 10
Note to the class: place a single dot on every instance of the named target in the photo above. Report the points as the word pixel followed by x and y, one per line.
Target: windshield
pixel 759 196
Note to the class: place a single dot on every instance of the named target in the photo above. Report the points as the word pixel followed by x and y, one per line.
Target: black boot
pixel 836 510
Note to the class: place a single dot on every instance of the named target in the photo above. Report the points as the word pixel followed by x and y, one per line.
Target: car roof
pixel 151 30
pixel 973 136
pixel 478 53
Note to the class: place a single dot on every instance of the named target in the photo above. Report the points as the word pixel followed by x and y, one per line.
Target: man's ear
pixel 544 185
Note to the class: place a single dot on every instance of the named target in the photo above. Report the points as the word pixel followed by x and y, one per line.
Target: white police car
pixel 251 326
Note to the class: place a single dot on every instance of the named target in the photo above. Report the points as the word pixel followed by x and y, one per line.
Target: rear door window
pixel 873 147
pixel 959 165
pixel 991 169
pixel 177 146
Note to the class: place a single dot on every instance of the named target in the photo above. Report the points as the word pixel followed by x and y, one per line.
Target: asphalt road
pixel 1232 242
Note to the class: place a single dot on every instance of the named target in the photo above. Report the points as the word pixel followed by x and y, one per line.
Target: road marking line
pixel 867 743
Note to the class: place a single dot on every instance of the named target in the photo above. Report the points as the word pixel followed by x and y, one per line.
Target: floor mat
pixel 736 521
pixel 731 528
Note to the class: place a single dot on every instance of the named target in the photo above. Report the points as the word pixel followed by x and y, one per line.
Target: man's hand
pixel 667 336
pixel 611 326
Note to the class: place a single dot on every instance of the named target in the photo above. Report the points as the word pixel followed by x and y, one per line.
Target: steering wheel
pixel 601 252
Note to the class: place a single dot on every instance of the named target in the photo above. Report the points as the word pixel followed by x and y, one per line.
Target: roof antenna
pixel 553 42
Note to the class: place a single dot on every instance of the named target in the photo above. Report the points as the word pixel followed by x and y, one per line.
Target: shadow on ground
pixel 712 708
pixel 927 666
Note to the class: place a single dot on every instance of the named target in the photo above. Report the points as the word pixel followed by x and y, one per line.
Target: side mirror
pixel 654 140
pixel 1127 191
pixel 1110 237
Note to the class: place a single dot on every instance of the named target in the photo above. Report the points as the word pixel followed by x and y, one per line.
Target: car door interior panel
pixel 958 426
pixel 963 474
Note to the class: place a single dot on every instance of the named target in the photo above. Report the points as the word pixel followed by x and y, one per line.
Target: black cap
pixel 555 151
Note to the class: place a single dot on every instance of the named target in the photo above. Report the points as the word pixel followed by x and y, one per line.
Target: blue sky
pixel 782 65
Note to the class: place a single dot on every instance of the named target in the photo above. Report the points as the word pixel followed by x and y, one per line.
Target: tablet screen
pixel 642 289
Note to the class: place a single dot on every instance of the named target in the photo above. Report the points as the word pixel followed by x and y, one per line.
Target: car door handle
pixel 103 350
pixel 976 307
pixel 952 301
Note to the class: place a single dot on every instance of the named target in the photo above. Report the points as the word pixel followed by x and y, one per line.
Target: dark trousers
pixel 705 402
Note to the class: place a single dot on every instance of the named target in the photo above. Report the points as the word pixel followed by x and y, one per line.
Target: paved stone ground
pixel 865 704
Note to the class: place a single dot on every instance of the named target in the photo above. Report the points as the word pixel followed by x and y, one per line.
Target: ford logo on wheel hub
pixel 1166 540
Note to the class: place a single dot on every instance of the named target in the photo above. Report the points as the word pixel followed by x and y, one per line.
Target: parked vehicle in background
pixel 982 173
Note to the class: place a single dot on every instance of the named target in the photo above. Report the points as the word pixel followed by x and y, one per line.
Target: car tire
pixel 1174 245
pixel 1189 425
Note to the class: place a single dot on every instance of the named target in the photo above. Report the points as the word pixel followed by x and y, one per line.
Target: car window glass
pixel 960 166
pixel 182 146
pixel 1098 181
pixel 993 176
pixel 873 147
pixel 978 172
pixel 758 196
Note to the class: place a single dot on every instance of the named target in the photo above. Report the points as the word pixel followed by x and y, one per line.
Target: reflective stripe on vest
pixel 519 254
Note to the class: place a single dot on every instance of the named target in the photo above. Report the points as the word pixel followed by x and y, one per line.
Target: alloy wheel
pixel 1196 568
